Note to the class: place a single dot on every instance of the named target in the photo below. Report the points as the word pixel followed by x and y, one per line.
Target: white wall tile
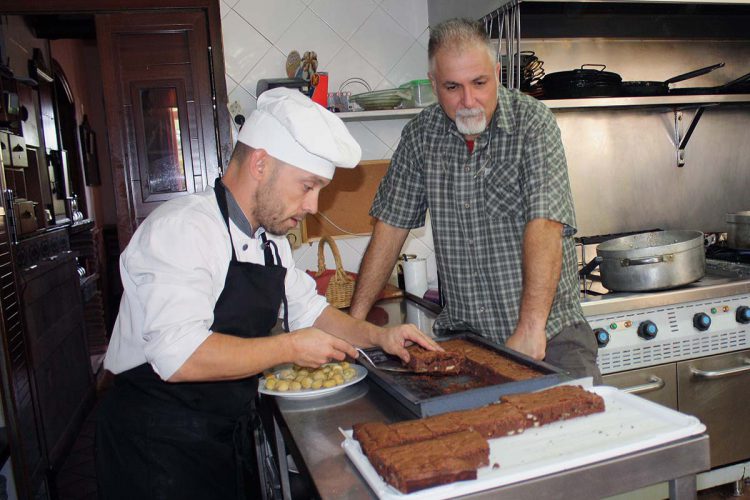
pixel 244 98
pixel 273 65
pixel 309 32
pixel 231 84
pixel 243 46
pixel 270 18
pixel 388 131
pixel 348 63
pixel 424 38
pixel 344 17
pixel 410 14
pixel 413 66
pixel 224 8
pixel 381 41
pixel 372 147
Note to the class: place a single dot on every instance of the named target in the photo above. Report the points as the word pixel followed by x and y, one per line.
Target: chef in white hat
pixel 205 278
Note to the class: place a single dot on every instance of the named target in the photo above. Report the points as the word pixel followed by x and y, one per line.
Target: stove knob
pixel 702 322
pixel 647 330
pixel 743 315
pixel 602 336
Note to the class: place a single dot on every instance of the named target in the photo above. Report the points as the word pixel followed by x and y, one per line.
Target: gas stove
pixel 709 316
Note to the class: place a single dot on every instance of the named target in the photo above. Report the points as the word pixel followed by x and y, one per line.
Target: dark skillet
pixel 739 85
pixel 649 88
pixel 581 83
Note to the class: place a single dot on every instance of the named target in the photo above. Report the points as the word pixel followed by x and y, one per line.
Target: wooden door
pixel 160 109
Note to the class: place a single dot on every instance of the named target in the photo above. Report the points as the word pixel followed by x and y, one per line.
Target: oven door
pixel 655 383
pixel 715 389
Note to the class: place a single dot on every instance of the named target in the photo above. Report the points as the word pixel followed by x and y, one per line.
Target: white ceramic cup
pixel 415 276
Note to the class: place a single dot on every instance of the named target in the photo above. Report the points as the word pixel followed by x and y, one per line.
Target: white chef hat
pixel 300 132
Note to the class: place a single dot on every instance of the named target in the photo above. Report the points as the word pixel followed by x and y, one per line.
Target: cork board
pixel 346 201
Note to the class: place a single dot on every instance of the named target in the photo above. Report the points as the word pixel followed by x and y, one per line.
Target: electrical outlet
pixel 295 237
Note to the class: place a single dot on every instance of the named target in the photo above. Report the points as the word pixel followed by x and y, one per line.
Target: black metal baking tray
pixel 424 395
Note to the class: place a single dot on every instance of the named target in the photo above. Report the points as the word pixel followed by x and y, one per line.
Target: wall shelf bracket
pixel 681 140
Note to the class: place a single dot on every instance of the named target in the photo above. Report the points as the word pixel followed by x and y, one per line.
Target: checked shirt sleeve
pixel 547 192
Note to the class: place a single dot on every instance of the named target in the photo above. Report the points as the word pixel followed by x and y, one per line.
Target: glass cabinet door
pixel 161 140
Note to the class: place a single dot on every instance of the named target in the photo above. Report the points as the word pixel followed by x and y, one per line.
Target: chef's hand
pixel 395 340
pixel 532 343
pixel 312 347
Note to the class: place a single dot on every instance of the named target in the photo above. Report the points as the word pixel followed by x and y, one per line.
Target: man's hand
pixel 533 343
pixel 395 340
pixel 312 347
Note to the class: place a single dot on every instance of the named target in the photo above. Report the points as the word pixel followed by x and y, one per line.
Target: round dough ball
pixel 329 383
pixel 345 364
pixel 282 386
pixel 317 383
pixel 306 382
pixel 304 372
pixel 349 373
pixel 318 375
pixel 295 386
pixel 338 378
pixel 271 384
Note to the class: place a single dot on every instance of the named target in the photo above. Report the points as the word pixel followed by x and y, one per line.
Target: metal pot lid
pixel 739 217
pixel 650 244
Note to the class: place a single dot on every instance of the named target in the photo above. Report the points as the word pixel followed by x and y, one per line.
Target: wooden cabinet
pixel 59 360
pixel 24 439
pixel 160 109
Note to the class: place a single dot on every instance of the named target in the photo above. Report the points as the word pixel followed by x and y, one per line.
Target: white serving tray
pixel 628 424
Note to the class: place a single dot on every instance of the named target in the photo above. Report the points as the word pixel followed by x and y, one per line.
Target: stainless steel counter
pixel 309 430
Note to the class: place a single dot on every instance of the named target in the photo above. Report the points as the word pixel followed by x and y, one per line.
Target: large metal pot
pixel 738 235
pixel 652 261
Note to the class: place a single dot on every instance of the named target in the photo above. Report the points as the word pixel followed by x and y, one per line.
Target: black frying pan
pixel 662 88
pixel 739 85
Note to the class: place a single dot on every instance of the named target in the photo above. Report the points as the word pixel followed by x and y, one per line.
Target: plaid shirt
pixel 479 204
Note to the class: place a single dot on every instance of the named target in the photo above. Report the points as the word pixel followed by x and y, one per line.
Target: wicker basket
pixel 341 285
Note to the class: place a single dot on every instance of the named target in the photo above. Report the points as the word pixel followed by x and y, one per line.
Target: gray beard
pixel 470 123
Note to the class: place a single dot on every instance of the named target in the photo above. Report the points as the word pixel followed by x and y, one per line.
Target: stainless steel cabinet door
pixel 656 383
pixel 716 390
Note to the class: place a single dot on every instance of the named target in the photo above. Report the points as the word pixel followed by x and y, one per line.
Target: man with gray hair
pixel 489 164
pixel 205 279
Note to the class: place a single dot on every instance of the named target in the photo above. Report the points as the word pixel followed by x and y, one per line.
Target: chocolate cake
pixel 487 364
pixel 443 362
pixel 557 403
pixel 492 421
pixel 418 454
pixel 415 466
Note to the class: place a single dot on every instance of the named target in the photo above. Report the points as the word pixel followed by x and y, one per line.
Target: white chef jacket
pixel 173 271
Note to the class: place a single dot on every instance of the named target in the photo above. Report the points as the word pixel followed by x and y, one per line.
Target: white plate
pixel 628 424
pixel 314 393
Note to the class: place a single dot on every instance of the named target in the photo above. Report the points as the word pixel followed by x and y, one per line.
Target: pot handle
pixel 602 66
pixel 646 260
pixel 593 264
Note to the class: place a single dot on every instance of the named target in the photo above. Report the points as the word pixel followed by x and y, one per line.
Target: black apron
pixel 161 440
